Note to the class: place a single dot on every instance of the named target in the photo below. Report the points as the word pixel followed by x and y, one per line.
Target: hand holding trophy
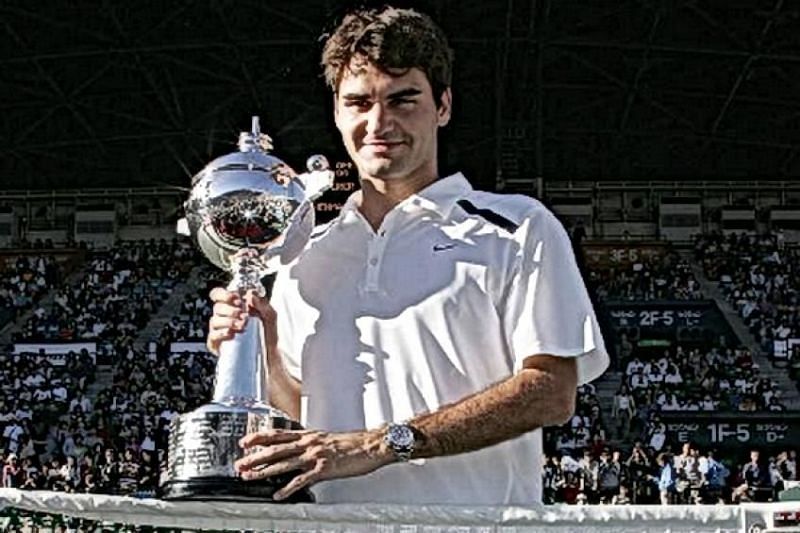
pixel 249 213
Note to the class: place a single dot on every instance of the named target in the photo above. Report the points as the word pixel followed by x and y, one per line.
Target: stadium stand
pixel 65 430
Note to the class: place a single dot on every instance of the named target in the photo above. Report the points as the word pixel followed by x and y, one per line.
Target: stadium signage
pixel 346 183
pixel 660 315
pixel 732 430
pixel 622 254
pixel 657 317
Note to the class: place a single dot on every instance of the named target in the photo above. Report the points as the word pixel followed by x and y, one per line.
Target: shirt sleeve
pixel 548 310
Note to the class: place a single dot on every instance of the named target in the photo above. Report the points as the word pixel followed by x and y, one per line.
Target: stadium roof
pixel 145 93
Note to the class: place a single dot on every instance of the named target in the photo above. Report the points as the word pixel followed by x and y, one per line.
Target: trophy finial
pixel 254 140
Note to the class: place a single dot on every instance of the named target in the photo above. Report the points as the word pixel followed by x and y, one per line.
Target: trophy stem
pixel 240 370
pixel 241 373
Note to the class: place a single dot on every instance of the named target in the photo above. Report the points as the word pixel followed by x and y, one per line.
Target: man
pixel 609 476
pixel 666 479
pixel 588 472
pixel 756 478
pixel 715 476
pixel 427 333
pixel 638 466
pixel 682 465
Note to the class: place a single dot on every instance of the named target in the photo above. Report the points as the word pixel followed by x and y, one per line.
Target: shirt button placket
pixel 376 247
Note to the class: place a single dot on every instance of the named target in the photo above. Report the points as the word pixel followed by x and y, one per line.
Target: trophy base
pixel 232 489
pixel 204 446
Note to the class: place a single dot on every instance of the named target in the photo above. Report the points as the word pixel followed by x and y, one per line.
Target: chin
pixel 384 170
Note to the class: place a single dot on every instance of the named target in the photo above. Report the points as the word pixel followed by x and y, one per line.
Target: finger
pixel 302 480
pixel 255 302
pixel 226 323
pixel 223 309
pixel 271 466
pixel 270 436
pixel 215 338
pixel 268 455
pixel 219 294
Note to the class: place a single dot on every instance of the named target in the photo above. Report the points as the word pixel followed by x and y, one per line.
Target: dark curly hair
pixel 391 39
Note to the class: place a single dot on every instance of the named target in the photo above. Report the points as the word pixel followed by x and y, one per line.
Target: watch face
pixel 401 436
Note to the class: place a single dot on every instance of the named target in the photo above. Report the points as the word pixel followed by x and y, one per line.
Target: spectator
pixel 666 479
pixel 639 466
pixel 787 464
pixel 715 476
pixel 587 471
pixel 608 477
pixel 622 498
pixel 552 480
pixel 755 477
pixel 623 411
pixel 129 473
pixel 12 473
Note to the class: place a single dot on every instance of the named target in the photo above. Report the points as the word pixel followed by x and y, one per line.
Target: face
pixel 389 122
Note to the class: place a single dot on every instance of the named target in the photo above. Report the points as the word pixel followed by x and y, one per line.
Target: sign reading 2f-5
pixel 656 317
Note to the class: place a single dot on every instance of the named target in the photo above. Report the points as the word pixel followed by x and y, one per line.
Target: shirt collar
pixel 439 197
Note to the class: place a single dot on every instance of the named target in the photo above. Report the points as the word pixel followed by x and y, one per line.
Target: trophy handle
pixel 318 178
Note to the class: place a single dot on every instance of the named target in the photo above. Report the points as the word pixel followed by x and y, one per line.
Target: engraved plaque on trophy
pixel 249 213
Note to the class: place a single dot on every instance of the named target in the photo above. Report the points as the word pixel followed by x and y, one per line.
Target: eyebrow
pixel 403 93
pixel 411 91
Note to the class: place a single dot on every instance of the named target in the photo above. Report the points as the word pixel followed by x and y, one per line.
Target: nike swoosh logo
pixel 442 247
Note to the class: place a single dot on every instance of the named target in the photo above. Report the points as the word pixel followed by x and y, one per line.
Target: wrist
pixel 401 440
pixel 377 448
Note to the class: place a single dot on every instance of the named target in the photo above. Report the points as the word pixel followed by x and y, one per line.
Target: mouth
pixel 379 147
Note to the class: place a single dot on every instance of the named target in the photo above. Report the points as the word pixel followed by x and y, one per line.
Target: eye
pixel 358 105
pixel 403 102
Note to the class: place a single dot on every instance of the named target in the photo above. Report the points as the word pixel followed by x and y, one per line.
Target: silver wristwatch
pixel 400 438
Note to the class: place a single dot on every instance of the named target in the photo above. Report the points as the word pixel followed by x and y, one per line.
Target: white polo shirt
pixel 448 297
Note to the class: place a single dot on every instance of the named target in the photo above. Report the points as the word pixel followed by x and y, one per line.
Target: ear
pixel 445 108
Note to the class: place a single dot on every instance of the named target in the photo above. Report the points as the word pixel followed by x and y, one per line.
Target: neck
pixel 378 197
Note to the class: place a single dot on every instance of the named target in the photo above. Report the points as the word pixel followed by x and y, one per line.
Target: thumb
pixel 254 304
pixel 259 306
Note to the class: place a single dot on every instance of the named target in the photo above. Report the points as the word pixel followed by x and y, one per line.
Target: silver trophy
pixel 249 213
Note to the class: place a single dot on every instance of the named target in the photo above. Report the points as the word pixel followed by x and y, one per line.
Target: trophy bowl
pixel 249 213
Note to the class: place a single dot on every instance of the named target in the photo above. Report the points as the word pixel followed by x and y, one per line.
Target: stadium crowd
pixel 25 279
pixel 645 476
pixel 57 436
pixel 759 276
pixel 44 413
pixel 191 322
pixel 649 278
pixel 117 294
pixel 591 460
pixel 713 379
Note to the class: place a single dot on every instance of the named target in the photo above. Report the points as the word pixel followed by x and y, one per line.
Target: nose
pixel 379 120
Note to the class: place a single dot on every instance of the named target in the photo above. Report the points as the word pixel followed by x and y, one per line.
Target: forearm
pixel 536 396
pixel 284 390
